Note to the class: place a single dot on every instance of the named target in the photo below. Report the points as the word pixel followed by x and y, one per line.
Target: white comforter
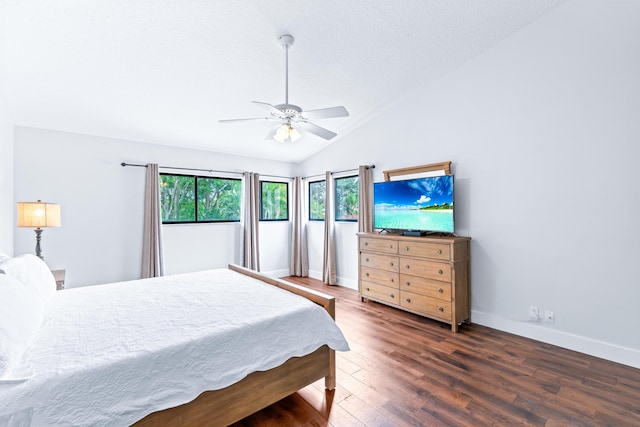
pixel 108 355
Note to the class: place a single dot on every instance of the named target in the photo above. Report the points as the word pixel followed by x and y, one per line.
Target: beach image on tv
pixel 415 204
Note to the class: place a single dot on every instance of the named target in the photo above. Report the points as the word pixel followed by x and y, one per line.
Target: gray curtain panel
pixel 152 251
pixel 365 199
pixel 250 220
pixel 299 262
pixel 329 259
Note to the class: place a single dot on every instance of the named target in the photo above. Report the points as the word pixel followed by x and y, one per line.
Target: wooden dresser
pixel 428 276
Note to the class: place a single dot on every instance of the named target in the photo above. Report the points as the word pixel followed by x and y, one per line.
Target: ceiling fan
pixel 293 120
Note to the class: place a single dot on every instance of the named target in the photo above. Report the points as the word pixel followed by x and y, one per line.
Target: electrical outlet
pixel 534 313
pixel 549 316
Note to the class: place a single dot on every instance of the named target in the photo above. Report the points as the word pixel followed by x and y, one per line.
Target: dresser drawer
pixel 379 245
pixel 379 261
pixel 382 293
pixel 424 268
pixel 425 250
pixel 382 277
pixel 423 304
pixel 427 287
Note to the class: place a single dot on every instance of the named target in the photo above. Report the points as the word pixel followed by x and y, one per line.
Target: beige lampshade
pixel 38 214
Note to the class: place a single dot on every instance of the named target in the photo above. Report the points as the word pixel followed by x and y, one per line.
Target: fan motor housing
pixel 288 107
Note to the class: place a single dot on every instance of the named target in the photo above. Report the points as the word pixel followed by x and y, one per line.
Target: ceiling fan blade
pixel 316 130
pixel 245 120
pixel 326 113
pixel 268 107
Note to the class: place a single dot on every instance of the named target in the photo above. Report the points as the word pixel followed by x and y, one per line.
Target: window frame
pixel 195 199
pixel 286 188
pixel 335 198
pixel 310 198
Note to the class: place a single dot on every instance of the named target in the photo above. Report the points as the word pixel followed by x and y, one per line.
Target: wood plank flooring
pixel 405 370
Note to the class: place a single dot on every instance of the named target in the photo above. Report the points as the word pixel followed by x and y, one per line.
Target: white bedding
pixel 108 355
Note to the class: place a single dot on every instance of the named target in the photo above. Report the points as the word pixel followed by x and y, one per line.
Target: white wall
pixel 102 207
pixel 543 134
pixel 7 207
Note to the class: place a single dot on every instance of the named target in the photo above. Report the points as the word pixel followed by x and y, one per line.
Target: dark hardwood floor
pixel 405 370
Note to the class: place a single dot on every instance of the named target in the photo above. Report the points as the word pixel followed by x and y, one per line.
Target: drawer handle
pixel 391 263
pixel 366 243
pixel 391 279
pixel 367 289
pixel 407 283
pixel 366 259
pixel 439 251
pixel 392 296
pixel 406 266
pixel 440 290
pixel 390 246
pixel 409 300
pixel 440 309
pixel 366 274
pixel 440 272
pixel 406 248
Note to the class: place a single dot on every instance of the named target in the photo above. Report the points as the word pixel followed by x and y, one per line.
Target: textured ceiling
pixel 165 72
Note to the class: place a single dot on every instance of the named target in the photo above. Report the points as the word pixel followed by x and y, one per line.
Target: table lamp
pixel 39 215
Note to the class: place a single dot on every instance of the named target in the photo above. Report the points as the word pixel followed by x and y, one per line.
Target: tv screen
pixel 421 204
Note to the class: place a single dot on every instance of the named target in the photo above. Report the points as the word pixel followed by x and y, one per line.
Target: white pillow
pixel 20 318
pixel 4 257
pixel 33 273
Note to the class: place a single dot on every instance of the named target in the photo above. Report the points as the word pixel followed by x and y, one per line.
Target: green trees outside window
pixel 185 198
pixel 177 193
pixel 274 201
pixel 347 198
pixel 219 199
pixel 317 191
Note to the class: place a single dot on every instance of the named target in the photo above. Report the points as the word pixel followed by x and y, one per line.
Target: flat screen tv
pixel 418 205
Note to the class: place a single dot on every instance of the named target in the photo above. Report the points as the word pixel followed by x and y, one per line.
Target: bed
pixel 205 348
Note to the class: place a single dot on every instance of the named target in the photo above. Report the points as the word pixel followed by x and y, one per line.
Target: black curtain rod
pixel 123 164
pixel 337 172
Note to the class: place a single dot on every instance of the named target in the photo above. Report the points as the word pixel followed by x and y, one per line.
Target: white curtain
pixel 329 259
pixel 152 251
pixel 250 220
pixel 299 262
pixel 365 199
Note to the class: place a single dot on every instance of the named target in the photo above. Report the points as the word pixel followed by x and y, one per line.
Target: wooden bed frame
pixel 259 389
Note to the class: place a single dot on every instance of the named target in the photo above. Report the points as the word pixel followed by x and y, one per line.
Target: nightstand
pixel 59 276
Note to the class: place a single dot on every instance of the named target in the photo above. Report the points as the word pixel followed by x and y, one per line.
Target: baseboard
pixel 342 281
pixel 613 352
pixel 604 350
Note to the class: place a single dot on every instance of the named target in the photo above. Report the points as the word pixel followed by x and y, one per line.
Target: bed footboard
pixel 259 389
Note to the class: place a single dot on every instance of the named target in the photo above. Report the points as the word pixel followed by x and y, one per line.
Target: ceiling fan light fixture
pixel 286 131
pixel 294 135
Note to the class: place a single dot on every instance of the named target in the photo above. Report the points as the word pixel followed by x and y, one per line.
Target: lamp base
pixel 38 238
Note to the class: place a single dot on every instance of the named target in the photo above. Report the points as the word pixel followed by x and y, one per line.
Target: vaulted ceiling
pixel 165 71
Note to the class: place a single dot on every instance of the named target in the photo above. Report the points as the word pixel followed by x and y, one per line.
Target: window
pixel 187 199
pixel 177 193
pixel 274 201
pixel 218 199
pixel 317 190
pixel 347 198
